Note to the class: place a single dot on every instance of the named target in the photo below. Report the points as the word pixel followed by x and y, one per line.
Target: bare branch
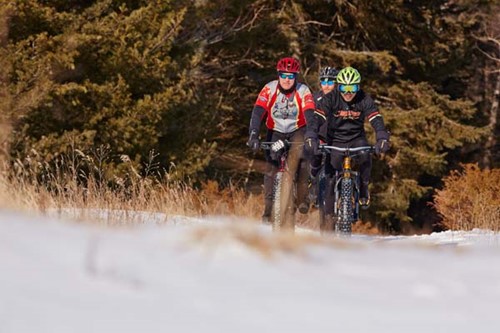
pixel 314 22
pixel 249 22
pixel 488 55
pixel 489 40
pixel 387 99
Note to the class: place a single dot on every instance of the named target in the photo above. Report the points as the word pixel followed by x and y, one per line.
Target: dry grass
pixel 124 204
pixel 62 190
pixel 267 245
pixel 470 199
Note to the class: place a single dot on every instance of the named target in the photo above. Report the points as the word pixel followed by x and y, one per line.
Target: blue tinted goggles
pixel 327 81
pixel 349 88
pixel 287 76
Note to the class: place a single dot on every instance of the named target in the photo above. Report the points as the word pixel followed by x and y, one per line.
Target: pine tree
pixel 107 75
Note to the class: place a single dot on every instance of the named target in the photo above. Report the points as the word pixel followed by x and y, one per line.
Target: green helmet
pixel 349 75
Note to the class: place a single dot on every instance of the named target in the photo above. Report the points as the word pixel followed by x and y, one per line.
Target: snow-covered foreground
pixel 228 276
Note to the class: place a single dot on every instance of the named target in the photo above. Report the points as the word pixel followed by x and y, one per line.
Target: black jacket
pixel 345 121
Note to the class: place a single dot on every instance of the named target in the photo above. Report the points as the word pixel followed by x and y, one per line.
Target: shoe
pixel 364 202
pixel 268 208
pixel 303 207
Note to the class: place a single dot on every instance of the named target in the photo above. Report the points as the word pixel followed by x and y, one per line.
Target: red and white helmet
pixel 289 65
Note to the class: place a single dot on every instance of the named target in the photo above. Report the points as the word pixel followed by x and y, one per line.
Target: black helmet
pixel 328 72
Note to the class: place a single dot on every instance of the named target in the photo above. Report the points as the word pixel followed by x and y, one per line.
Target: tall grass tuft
pixel 470 199
pixel 79 184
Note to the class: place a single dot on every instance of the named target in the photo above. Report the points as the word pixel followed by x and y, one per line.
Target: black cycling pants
pixel 361 162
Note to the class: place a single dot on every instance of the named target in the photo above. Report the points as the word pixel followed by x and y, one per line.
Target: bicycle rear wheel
pixel 325 221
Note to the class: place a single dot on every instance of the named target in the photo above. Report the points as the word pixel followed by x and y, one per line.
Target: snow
pixel 178 274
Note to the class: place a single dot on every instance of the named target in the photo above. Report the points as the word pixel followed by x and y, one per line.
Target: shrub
pixel 470 199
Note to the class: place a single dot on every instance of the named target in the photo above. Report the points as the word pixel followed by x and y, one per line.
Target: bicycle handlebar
pixel 322 147
pixel 326 148
pixel 267 144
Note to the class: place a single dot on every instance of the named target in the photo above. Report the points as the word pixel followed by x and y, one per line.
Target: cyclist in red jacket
pixel 285 105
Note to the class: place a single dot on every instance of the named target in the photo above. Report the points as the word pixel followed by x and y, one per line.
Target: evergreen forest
pixel 170 84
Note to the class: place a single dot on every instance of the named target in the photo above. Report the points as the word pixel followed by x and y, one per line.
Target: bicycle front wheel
pixel 283 217
pixel 345 207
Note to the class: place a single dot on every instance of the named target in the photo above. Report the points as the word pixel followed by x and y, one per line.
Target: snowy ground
pixel 219 275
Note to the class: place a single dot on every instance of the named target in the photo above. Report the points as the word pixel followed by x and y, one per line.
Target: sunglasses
pixel 287 76
pixel 327 81
pixel 349 88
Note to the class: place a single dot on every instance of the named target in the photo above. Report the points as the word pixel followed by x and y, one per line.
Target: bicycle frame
pixel 346 189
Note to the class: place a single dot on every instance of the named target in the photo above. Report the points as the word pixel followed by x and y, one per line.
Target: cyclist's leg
pixel 317 160
pixel 268 191
pixel 315 164
pixel 329 194
pixel 332 161
pixel 303 186
pixel 298 162
pixel 332 165
pixel 365 168
pixel 271 168
pixel 364 161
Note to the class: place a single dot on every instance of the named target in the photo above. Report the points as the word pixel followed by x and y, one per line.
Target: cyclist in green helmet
pixel 344 111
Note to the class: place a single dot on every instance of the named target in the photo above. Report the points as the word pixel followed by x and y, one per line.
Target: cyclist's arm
pixel 307 102
pixel 374 117
pixel 260 109
pixel 323 105
pixel 258 115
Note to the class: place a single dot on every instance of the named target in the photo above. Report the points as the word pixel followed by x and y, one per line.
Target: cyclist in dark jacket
pixel 285 105
pixel 327 80
pixel 345 110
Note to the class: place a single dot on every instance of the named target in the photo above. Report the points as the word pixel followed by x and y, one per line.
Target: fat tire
pixel 345 218
pixel 277 213
pixel 321 187
pixel 283 217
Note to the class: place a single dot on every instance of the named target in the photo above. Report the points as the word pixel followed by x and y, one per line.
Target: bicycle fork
pixel 348 179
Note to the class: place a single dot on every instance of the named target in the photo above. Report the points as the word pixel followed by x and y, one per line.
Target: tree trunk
pixel 490 158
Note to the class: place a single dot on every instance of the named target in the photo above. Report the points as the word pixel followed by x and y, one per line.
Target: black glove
pixel 253 141
pixel 383 145
pixel 311 146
